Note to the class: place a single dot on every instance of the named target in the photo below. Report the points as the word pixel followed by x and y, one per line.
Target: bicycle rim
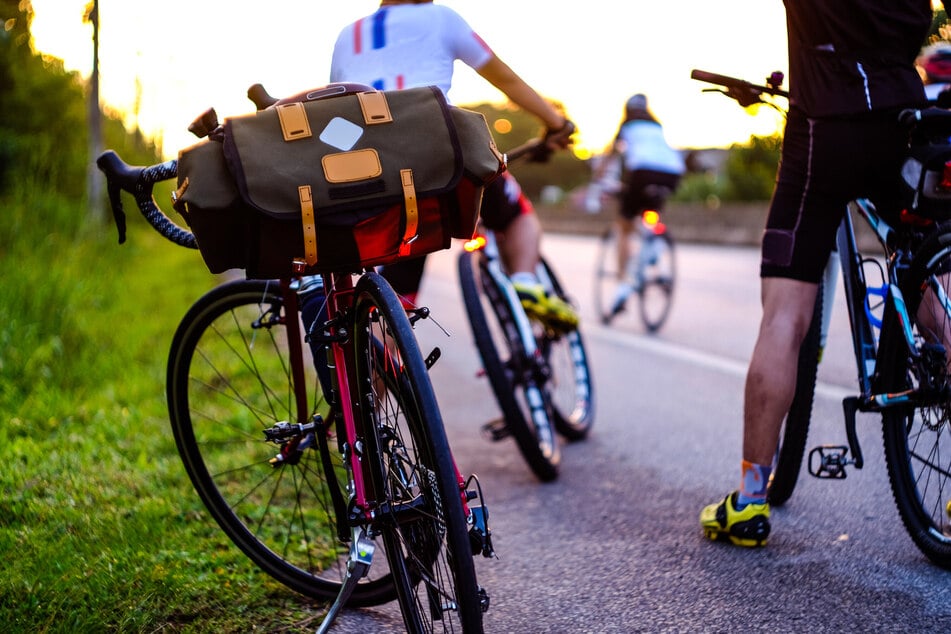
pixel 419 508
pixel 658 273
pixel 570 386
pixel 917 439
pixel 228 380
pixel 525 405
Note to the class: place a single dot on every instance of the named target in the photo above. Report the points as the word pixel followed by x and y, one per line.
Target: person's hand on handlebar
pixel 560 138
pixel 554 139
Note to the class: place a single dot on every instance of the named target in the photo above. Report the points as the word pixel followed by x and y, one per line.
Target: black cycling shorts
pixel 646 189
pixel 825 164
pixel 502 202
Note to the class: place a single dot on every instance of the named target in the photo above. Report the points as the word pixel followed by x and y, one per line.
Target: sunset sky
pixel 183 56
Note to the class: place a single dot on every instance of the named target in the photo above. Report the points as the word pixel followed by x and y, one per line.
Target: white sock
pixel 524 278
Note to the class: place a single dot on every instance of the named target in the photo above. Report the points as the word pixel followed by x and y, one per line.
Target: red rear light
pixel 911 218
pixel 651 220
pixel 945 183
pixel 474 244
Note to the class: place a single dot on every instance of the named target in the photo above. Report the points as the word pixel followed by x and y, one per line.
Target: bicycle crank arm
pixel 361 556
pixel 850 406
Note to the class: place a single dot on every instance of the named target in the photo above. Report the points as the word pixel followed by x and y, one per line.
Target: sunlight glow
pixel 189 55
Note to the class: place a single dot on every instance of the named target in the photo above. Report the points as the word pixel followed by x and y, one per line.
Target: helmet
pixel 936 62
pixel 637 102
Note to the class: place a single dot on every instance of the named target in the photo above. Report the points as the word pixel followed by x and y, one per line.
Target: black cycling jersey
pixel 851 56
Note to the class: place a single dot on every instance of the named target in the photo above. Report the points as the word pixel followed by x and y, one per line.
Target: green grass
pixel 100 529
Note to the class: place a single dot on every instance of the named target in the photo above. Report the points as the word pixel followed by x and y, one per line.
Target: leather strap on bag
pixel 374 106
pixel 412 211
pixel 294 124
pixel 309 226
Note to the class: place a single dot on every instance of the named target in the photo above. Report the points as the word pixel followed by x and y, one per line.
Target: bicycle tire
pixel 227 381
pixel 658 277
pixel 917 438
pixel 517 388
pixel 419 510
pixel 795 429
pixel 570 385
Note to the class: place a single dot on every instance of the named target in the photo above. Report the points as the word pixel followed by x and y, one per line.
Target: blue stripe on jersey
pixel 379 29
pixel 378 84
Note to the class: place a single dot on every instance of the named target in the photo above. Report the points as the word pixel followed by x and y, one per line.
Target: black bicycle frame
pixel 868 355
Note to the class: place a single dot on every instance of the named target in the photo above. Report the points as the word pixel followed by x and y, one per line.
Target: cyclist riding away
pixel 650 172
pixel 851 71
pixel 412 43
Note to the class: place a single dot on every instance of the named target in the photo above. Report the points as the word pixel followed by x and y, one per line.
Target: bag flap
pixel 204 179
pixel 481 158
pixel 365 155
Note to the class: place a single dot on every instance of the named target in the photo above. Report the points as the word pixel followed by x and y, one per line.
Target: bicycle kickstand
pixel 358 564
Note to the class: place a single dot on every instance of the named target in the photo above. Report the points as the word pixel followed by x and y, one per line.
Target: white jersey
pixel 406 46
pixel 645 148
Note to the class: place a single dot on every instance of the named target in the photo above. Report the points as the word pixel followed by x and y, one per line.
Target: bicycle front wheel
pixel 917 436
pixel 414 480
pixel 516 380
pixel 569 386
pixel 229 379
pixel 655 277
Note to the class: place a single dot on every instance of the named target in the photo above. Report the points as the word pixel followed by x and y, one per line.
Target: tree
pixel 93 178
pixel 511 126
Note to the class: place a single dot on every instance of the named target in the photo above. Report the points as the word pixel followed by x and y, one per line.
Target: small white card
pixel 341 134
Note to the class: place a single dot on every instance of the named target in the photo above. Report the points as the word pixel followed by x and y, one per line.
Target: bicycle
pixel 900 326
pixel 540 377
pixel 649 269
pixel 309 477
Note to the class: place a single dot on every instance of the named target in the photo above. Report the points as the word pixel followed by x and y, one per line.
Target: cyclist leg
pixel 313 312
pixel 508 212
pixel 808 204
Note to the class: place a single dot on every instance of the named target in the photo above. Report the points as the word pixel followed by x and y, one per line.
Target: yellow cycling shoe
pixel 748 527
pixel 548 309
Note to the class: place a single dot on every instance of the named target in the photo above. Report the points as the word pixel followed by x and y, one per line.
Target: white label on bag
pixel 341 133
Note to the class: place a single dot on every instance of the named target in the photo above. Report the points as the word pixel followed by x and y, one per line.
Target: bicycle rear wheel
pixel 517 381
pixel 569 386
pixel 656 275
pixel 228 380
pixel 917 436
pixel 414 479
pixel 792 438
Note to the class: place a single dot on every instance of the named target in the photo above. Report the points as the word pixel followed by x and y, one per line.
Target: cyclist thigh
pixel 825 164
pixel 502 202
pixel 637 197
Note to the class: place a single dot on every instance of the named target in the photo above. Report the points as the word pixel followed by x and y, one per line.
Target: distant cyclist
pixel 650 172
pixel 935 61
pixel 412 43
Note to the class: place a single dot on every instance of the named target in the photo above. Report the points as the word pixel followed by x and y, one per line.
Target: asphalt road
pixel 614 545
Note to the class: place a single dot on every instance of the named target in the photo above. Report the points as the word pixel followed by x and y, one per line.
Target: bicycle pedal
pixel 828 462
pixel 496 430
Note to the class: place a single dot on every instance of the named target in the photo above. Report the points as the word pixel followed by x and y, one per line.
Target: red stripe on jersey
pixel 357 40
pixel 482 42
pixel 400 82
